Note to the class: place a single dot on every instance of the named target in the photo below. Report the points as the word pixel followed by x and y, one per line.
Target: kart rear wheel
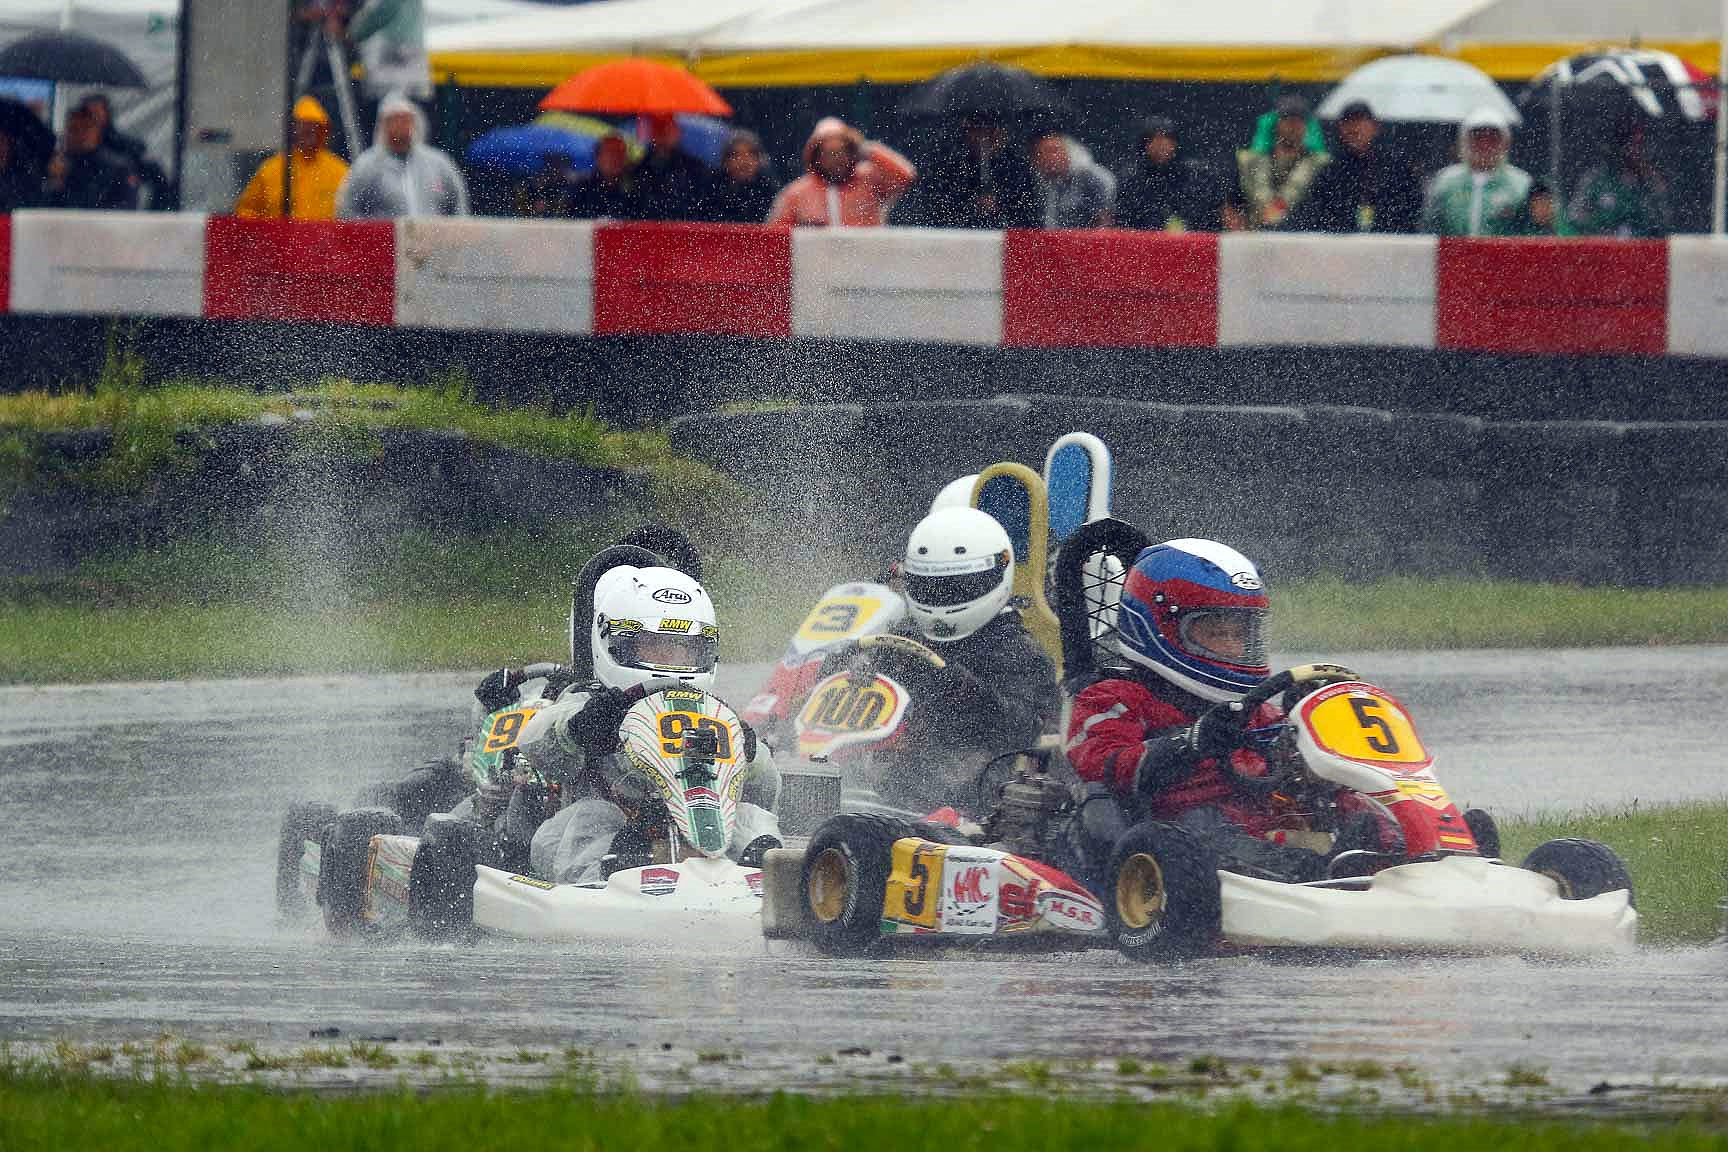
pixel 1162 898
pixel 1581 868
pixel 441 882
pixel 1484 831
pixel 845 880
pixel 302 823
pixel 342 873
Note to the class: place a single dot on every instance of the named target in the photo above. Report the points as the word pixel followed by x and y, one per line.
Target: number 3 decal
pixel 838 618
pixel 1374 727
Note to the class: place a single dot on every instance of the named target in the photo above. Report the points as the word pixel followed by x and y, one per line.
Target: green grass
pixel 1677 856
pixel 62 1113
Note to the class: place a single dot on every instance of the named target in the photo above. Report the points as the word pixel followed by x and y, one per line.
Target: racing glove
pixel 1218 732
pixel 595 728
pixel 498 690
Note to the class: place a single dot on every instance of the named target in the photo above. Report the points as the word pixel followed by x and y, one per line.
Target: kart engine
pixel 1029 811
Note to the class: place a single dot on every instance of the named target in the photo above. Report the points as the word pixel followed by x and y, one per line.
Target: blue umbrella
pixel 521 149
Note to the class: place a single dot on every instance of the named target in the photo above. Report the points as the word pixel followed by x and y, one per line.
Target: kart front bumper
pixel 1455 904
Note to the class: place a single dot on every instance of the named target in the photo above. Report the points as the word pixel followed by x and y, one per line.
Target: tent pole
pixel 1556 189
pixel 1716 202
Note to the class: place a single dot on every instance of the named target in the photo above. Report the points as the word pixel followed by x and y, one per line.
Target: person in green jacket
pixel 1623 196
pixel 1484 195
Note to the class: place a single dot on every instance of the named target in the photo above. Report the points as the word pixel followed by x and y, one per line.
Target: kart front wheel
pixel 1581 868
pixel 1484 831
pixel 342 871
pixel 845 880
pixel 441 881
pixel 1162 899
pixel 302 823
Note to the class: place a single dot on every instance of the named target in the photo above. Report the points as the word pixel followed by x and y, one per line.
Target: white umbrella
pixel 1434 89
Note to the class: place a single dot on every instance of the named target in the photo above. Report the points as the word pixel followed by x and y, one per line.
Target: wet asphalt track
pixel 137 829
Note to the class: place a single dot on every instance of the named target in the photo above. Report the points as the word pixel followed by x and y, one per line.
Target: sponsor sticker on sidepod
pixel 659 881
pixel 1072 910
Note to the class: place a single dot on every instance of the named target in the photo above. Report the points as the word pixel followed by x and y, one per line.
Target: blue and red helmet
pixel 1194 612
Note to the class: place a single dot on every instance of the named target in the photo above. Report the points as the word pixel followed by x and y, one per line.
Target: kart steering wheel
pixel 1294 683
pixel 904 645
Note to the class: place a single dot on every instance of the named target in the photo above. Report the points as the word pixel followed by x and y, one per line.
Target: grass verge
pixel 1677 856
pixel 69 1112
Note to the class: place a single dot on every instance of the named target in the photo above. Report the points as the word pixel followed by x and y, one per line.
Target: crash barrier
pixel 310 500
pixel 1349 491
pixel 1085 289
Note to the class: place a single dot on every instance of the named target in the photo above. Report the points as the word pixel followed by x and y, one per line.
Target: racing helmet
pixel 651 623
pixel 1194 612
pixel 955 494
pixel 959 571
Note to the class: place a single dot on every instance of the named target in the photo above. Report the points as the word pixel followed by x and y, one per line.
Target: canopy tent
pixel 741 43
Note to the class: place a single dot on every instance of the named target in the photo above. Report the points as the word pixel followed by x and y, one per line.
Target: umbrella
pixel 72 58
pixel 635 87
pixel 1419 89
pixel 1659 84
pixel 520 149
pixel 30 137
pixel 985 91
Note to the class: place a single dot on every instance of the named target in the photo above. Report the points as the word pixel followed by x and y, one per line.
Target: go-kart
pixel 369 878
pixel 1164 892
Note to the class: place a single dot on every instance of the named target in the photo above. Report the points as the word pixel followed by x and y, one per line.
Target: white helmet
pixel 955 494
pixel 651 623
pixel 959 572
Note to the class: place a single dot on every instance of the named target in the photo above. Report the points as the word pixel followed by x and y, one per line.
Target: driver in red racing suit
pixel 1148 743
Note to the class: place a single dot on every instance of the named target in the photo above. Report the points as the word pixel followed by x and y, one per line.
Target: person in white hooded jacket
pixel 1074 191
pixel 402 175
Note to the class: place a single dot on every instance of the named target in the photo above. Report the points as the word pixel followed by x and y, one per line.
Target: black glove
pixel 595 728
pixel 560 678
pixel 498 690
pixel 1218 732
pixel 749 741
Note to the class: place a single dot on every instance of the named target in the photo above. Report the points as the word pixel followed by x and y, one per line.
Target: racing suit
pixel 595 788
pixel 997 694
pixel 1127 740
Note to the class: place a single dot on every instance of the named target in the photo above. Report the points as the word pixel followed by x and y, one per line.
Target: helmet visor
pixel 962 588
pixel 664 651
pixel 1227 635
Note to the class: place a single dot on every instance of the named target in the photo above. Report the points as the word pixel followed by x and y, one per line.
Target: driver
pixel 996 692
pixel 648 624
pixel 1149 741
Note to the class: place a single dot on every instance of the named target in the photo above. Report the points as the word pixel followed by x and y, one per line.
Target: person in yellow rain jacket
pixel 318 172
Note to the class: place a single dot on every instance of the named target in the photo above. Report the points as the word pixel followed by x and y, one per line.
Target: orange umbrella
pixel 635 87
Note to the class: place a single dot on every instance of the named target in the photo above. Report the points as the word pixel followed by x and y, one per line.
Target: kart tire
pixel 342 872
pixel 302 823
pixel 441 882
pixel 845 879
pixel 1161 901
pixel 1485 832
pixel 1582 868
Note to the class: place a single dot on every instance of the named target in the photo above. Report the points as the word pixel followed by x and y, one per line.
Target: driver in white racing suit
pixel 575 804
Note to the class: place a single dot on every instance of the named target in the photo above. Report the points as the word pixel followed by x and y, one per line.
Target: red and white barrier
pixel 1311 289
pixel 1029 289
pixel 924 285
pixel 495 276
pixel 108 263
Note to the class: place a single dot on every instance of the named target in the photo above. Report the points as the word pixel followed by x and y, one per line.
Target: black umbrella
pixel 69 57
pixel 30 137
pixel 985 91
pixel 1659 85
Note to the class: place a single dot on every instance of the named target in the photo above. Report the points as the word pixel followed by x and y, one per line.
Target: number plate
pixel 506 728
pixel 840 712
pixel 838 618
pixel 1360 722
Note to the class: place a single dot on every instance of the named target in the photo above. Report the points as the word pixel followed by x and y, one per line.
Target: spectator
pixel 1540 212
pixel 83 174
pixel 318 172
pixel 1273 177
pixel 1363 188
pixel 20 180
pixel 1167 193
pixel 546 194
pixel 984 183
pixel 1483 195
pixel 610 191
pixel 1624 196
pixel 746 189
pixel 1074 191
pixel 158 190
pixel 673 184
pixel 847 180
pixel 400 175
